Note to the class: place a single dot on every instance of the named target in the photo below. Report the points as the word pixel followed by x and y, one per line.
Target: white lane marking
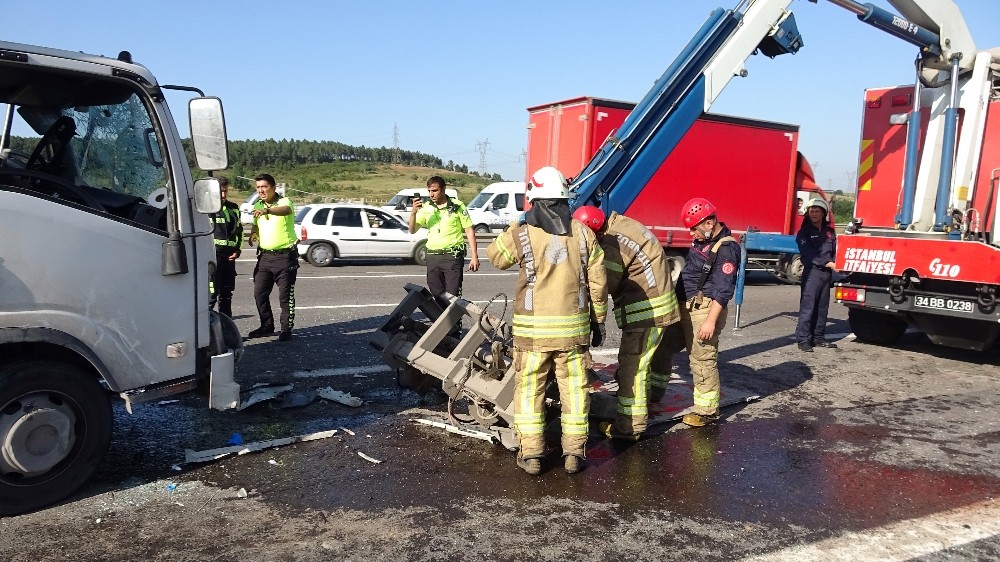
pixel 342 371
pixel 904 540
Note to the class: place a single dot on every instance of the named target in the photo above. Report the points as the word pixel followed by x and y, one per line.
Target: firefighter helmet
pixel 817 202
pixel 590 216
pixel 696 211
pixel 548 183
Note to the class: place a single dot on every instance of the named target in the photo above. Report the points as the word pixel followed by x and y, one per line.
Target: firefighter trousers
pixel 814 305
pixel 703 357
pixel 279 269
pixel 533 369
pixel 635 357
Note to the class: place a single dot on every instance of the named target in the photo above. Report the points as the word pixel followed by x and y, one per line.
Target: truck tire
pixel 420 254
pixel 55 428
pixel 321 254
pixel 793 270
pixel 875 327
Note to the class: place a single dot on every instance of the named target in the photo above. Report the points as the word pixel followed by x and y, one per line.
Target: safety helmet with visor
pixel 547 183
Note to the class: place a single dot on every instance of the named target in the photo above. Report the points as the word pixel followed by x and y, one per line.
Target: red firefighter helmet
pixel 695 211
pixel 590 216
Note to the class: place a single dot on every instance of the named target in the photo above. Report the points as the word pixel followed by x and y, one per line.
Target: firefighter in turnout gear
pixel 228 244
pixel 645 303
pixel 706 284
pixel 561 300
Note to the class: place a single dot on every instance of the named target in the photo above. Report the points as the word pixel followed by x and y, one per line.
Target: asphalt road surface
pixel 857 453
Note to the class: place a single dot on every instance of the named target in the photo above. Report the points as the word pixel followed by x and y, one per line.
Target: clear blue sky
pixel 450 74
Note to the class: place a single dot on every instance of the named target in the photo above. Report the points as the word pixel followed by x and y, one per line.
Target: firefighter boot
pixel 699 420
pixel 531 466
pixel 655 394
pixel 608 429
pixel 573 464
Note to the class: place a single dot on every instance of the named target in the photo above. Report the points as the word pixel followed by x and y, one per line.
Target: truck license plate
pixel 942 303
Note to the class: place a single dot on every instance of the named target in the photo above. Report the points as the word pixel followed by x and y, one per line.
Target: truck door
pixel 85 201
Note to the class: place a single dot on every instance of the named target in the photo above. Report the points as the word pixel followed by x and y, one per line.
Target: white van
pixel 497 205
pixel 402 203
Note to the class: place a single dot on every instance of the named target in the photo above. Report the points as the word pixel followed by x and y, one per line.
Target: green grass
pixel 357 182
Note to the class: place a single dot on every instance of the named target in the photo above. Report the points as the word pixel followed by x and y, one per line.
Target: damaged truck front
pixel 105 262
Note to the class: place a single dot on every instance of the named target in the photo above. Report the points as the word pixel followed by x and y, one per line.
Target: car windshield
pixel 397 199
pixel 303 211
pixel 480 200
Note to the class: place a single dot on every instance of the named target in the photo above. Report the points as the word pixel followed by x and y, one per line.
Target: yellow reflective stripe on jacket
pixel 546 327
pixel 662 305
pixel 601 309
pixel 613 266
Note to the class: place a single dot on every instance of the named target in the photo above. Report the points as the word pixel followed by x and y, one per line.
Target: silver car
pixel 328 231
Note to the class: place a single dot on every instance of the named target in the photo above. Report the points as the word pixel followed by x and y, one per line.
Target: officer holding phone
pixel 450 237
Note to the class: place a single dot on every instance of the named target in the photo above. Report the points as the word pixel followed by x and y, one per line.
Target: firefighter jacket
pixel 561 287
pixel 638 275
pixel 228 228
pixel 817 246
pixel 720 285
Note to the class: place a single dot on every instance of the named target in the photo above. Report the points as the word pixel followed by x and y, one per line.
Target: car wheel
pixel 420 254
pixel 482 229
pixel 55 428
pixel 320 254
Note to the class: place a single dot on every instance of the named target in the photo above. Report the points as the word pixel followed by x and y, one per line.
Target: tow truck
pixel 422 338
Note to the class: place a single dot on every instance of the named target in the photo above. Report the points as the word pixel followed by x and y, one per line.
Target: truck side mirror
pixel 208 133
pixel 207 196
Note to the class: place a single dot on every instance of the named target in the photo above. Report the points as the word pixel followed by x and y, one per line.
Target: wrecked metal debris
pixel 213 454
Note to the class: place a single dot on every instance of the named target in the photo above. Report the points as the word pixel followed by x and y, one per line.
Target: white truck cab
pixel 105 270
pixel 497 205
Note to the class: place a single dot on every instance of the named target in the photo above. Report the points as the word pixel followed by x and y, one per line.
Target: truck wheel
pixel 875 327
pixel 320 254
pixel 793 270
pixel 482 229
pixel 420 254
pixel 55 428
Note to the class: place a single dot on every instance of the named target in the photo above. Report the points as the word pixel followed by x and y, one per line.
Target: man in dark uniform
pixel 817 241
pixel 277 257
pixel 706 284
pixel 228 244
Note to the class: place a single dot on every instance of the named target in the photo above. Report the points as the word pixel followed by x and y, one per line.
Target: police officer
pixel 817 241
pixel 446 220
pixel 277 257
pixel 561 299
pixel 706 284
pixel 645 303
pixel 228 245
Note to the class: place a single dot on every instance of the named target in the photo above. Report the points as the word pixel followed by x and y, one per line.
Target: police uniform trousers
pixel 445 272
pixel 814 305
pixel 224 281
pixel 279 268
pixel 703 357
pixel 635 358
pixel 533 368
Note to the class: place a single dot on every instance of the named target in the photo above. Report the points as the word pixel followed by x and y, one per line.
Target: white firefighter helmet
pixel 818 202
pixel 548 183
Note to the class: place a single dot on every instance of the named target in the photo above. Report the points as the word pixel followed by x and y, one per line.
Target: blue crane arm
pixel 621 168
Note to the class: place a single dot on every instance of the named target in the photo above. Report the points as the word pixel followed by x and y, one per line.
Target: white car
pixel 328 231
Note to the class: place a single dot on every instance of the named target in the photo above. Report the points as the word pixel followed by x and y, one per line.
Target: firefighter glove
pixel 597 333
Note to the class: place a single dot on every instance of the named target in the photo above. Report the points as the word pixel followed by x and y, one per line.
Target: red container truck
pixel 750 169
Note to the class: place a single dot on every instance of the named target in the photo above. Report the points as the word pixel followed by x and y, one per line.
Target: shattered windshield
pixel 111 146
